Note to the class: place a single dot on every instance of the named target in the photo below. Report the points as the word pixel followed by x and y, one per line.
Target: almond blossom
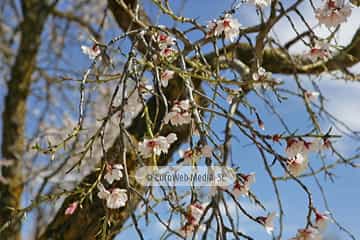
pixel 307 234
pixel 91 52
pixel 321 221
pixel 193 155
pixel 71 208
pixel 167 52
pixel 297 164
pixel 165 76
pixel 295 146
pixel 321 50
pixel 260 3
pixel 261 76
pixel 189 155
pixel 180 113
pixel 115 198
pixel 193 216
pixel 268 222
pixel 227 25
pixel 243 188
pixel 311 96
pixel 164 40
pixel 156 145
pixel 333 13
pixel 113 173
pixel 196 210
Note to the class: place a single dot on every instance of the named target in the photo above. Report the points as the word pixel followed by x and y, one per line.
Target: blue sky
pixel 342 99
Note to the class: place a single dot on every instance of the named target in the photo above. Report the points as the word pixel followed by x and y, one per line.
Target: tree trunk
pixel 14 115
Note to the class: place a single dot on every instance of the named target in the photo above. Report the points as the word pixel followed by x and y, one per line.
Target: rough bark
pixel 14 115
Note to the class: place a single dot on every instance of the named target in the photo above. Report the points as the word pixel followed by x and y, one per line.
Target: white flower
pixel 179 113
pixel 188 229
pixel 297 164
pixel 117 198
pixel 311 96
pixel 321 51
pixel 243 188
pixel 294 147
pixel 268 222
pixel 166 52
pixel 103 193
pixel 261 76
pixel 113 173
pixel 260 3
pixel 189 156
pixel 333 13
pixel 193 216
pixel 164 40
pixel 227 25
pixel 156 145
pixel 321 221
pixel 196 210
pixel 92 52
pixel 307 234
pixel 165 77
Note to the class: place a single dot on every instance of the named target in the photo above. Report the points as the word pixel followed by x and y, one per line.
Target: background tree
pixel 217 85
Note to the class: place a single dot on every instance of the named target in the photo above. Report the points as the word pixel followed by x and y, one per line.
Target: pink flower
pixel 294 146
pixel 196 210
pixel 243 188
pixel 165 77
pixel 321 221
pixel 260 3
pixel 227 25
pixel 311 96
pixel 321 51
pixel 156 145
pixel 307 234
pixel 333 13
pixel 261 76
pixel 297 164
pixel 189 155
pixel 114 172
pixel 165 40
pixel 268 222
pixel 166 52
pixel 193 216
pixel 115 198
pixel 91 52
pixel 71 208
pixel 180 113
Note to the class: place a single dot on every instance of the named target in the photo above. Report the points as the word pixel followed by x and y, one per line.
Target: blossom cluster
pixel 193 216
pixel 333 13
pixel 297 151
pixel 228 26
pixel 114 197
pixel 156 146
pixel 193 155
pixel 313 232
pixel 180 113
